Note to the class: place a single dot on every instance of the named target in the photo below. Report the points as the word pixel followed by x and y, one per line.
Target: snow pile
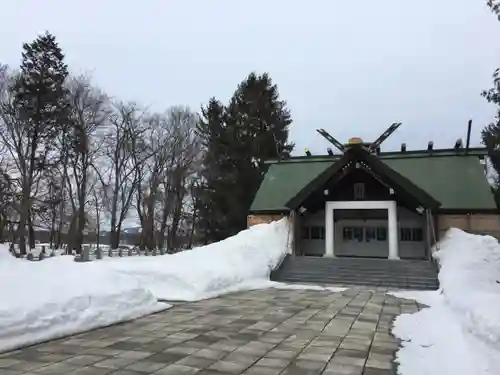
pixel 470 280
pixel 42 300
pixel 460 332
pixel 241 262
pixel 55 297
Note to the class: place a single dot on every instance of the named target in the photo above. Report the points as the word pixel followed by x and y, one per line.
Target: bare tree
pixel 151 163
pixel 120 173
pixel 89 113
pixel 185 150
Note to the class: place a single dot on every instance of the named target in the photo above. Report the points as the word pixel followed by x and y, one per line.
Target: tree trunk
pixel 53 227
pixel 114 239
pixel 176 218
pixel 193 226
pixel 21 228
pixel 31 231
pixel 82 192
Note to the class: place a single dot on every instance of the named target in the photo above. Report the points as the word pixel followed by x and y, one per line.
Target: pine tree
pixel 41 104
pixel 238 140
pixel 216 174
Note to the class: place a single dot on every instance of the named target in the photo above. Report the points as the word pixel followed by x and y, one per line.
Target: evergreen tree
pixel 490 135
pixel 216 174
pixel 238 139
pixel 259 123
pixel 41 104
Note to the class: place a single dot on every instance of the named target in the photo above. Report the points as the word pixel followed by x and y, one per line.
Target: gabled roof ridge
pixel 477 151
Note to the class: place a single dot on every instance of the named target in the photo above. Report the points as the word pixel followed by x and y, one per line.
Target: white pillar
pixel 329 231
pixel 393 231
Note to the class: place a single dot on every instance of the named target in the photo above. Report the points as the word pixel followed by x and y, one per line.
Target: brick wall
pixel 261 219
pixel 474 223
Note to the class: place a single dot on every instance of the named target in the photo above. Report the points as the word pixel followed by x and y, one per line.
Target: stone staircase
pixel 402 274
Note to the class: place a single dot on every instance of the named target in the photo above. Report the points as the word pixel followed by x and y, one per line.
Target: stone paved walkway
pixel 264 332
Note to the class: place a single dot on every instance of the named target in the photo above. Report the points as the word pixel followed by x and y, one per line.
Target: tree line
pixel 73 158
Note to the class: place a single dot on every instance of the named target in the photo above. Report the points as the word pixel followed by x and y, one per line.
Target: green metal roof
pixel 457 181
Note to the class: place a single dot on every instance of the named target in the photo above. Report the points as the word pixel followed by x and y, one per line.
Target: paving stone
pixel 91 370
pixel 274 362
pixel 177 370
pixel 243 359
pixel 57 369
pixel 382 350
pixel 154 346
pixel 194 344
pixel 53 357
pixel 4 371
pixel 197 362
pixel 262 370
pixel 7 362
pixel 380 361
pixel 346 360
pixel 340 369
pixel 318 357
pixel 145 366
pixel 165 357
pixel 126 372
pixel 24 366
pixel 277 353
pixel 211 354
pixel 229 367
pixel 114 363
pixel 132 354
pixel 309 365
pixel 83 360
pixel 376 371
pixel 297 370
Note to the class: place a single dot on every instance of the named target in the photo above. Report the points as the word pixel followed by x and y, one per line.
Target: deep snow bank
pixel 434 342
pixel 57 296
pixel 241 262
pixel 470 281
pixel 460 332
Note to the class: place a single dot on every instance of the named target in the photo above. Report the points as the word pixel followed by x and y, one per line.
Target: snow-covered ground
pixel 46 299
pixel 460 332
pixel 57 296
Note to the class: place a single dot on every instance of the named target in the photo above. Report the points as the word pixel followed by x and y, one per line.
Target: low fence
pixel 37 254
pixel 89 253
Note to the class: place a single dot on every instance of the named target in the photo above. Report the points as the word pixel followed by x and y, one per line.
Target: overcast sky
pixel 351 67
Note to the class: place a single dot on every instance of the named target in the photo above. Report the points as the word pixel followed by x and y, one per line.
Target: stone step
pixel 355 277
pixel 363 277
pixel 407 274
pixel 347 279
pixel 429 272
pixel 374 283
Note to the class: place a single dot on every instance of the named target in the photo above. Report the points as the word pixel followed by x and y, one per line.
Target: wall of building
pixel 314 243
pixel 474 223
pixel 263 219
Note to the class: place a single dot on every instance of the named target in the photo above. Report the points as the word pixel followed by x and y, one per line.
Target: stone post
pixel 86 254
